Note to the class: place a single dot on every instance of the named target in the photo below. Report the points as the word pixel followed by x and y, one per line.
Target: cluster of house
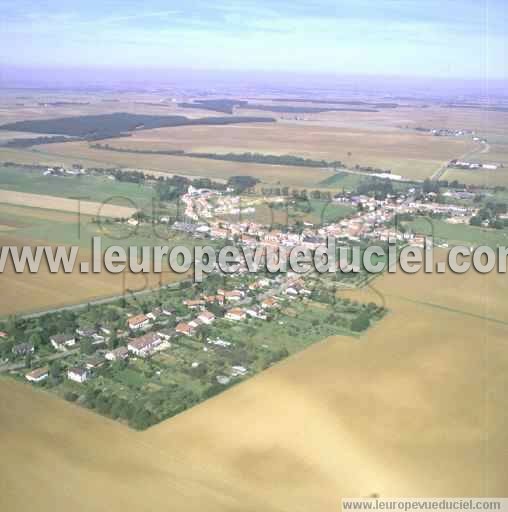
pixel 198 205
pixel 61 171
pixel 76 374
pixel 240 309
pixel 459 164
pixel 231 205
pixel 449 132
pixel 66 342
pixel 151 342
pixel 368 223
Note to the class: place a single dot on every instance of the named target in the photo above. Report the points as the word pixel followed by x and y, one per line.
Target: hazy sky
pixel 435 38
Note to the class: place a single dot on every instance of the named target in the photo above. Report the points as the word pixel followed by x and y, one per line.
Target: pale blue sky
pixel 434 38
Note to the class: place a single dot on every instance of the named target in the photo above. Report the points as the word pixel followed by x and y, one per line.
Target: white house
pixel 256 312
pixel 37 375
pixel 138 322
pixel 154 314
pixel 238 371
pixel 185 328
pixel 62 341
pixel 79 375
pixel 22 349
pixel 194 303
pixel 144 345
pixel 118 354
pixel 233 295
pixel 166 334
pixel 236 314
pixel 206 317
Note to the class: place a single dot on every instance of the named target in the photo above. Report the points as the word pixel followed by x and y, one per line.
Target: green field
pixel 459 233
pixel 341 180
pixel 92 188
pixel 67 228
pixel 326 212
pixel 53 227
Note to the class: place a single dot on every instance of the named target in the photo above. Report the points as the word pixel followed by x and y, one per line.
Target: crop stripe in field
pixel 449 309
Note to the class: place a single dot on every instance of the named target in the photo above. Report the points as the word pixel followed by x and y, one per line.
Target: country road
pixel 53 357
pixel 439 173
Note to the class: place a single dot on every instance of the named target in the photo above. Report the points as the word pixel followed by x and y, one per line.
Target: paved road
pixel 53 357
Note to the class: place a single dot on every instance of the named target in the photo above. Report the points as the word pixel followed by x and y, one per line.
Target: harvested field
pixel 31 157
pixel 386 139
pixel 409 116
pixel 26 292
pixel 35 213
pixel 65 205
pixel 305 140
pixel 192 167
pixel 409 153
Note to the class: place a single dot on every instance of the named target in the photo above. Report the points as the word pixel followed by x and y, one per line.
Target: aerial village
pixel 371 221
pixel 185 342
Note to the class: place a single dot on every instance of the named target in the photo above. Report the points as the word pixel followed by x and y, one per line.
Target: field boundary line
pixel 449 309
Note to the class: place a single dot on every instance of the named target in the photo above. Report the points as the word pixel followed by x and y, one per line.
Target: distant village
pixel 372 221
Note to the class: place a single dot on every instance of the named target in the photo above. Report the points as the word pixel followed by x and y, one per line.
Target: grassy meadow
pixel 94 188
pixel 459 234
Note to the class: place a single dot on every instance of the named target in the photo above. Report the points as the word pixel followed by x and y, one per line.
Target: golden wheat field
pixel 408 153
pixel 192 167
pixel 30 292
pixel 411 115
pixel 416 407
pixel 33 157
pixel 65 205
pixel 386 139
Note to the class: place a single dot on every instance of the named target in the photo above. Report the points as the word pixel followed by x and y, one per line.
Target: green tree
pixel 35 339
pixel 86 346
pixel 360 322
pixel 55 372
